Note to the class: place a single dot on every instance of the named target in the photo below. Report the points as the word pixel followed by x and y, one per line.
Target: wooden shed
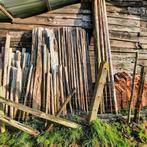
pixel 127 27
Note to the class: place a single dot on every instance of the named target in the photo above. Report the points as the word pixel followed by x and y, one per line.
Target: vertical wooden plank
pixel 44 75
pixel 12 90
pixel 6 59
pixel 1 68
pixel 37 92
pixel 2 124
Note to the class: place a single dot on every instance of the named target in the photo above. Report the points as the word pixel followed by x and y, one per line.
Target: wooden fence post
pixel 2 124
pixel 98 91
pixel 140 94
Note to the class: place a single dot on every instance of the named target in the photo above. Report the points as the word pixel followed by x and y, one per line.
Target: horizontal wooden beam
pixel 40 114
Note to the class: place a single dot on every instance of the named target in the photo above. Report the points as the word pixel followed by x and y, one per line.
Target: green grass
pixel 94 134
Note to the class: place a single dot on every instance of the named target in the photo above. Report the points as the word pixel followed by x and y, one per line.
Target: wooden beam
pixel 40 114
pixel 98 91
pixel 19 126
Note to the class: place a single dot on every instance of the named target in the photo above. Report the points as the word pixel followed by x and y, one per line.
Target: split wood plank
pixel 37 93
pixel 40 114
pixel 19 126
pixel 98 91
pixel 6 59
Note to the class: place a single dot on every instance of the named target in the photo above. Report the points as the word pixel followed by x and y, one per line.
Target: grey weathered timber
pixel 40 114
pixel 98 91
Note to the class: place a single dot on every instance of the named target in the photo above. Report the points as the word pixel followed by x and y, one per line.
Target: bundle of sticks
pixel 102 46
pixel 45 76
pixel 61 60
pixel 16 69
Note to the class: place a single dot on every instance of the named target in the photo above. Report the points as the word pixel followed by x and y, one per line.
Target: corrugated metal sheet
pixel 26 8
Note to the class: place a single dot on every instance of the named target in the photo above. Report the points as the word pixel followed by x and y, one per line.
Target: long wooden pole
pixel 140 94
pixel 133 87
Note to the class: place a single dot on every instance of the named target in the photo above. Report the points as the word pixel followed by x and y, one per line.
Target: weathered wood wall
pixel 127 25
pixel 128 32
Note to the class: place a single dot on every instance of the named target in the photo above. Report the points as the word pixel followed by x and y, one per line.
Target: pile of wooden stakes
pixel 44 77
pixel 103 48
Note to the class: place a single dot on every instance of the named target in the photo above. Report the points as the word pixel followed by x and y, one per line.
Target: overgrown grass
pixel 100 133
pixel 94 134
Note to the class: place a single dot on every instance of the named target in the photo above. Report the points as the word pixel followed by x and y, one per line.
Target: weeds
pixel 97 133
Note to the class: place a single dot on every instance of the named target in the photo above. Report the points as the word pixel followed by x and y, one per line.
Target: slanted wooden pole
pixel 63 106
pixel 98 91
pixel 133 87
pixel 2 124
pixel 40 114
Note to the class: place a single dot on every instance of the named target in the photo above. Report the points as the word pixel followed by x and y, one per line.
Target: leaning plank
pixel 98 91
pixel 40 114
pixel 19 126
pixel 63 106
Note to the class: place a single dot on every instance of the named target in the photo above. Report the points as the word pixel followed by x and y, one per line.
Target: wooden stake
pixel 133 87
pixel 140 94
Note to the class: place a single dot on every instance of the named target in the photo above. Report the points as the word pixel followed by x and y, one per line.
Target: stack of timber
pixel 43 78
pixel 103 50
pixel 61 62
